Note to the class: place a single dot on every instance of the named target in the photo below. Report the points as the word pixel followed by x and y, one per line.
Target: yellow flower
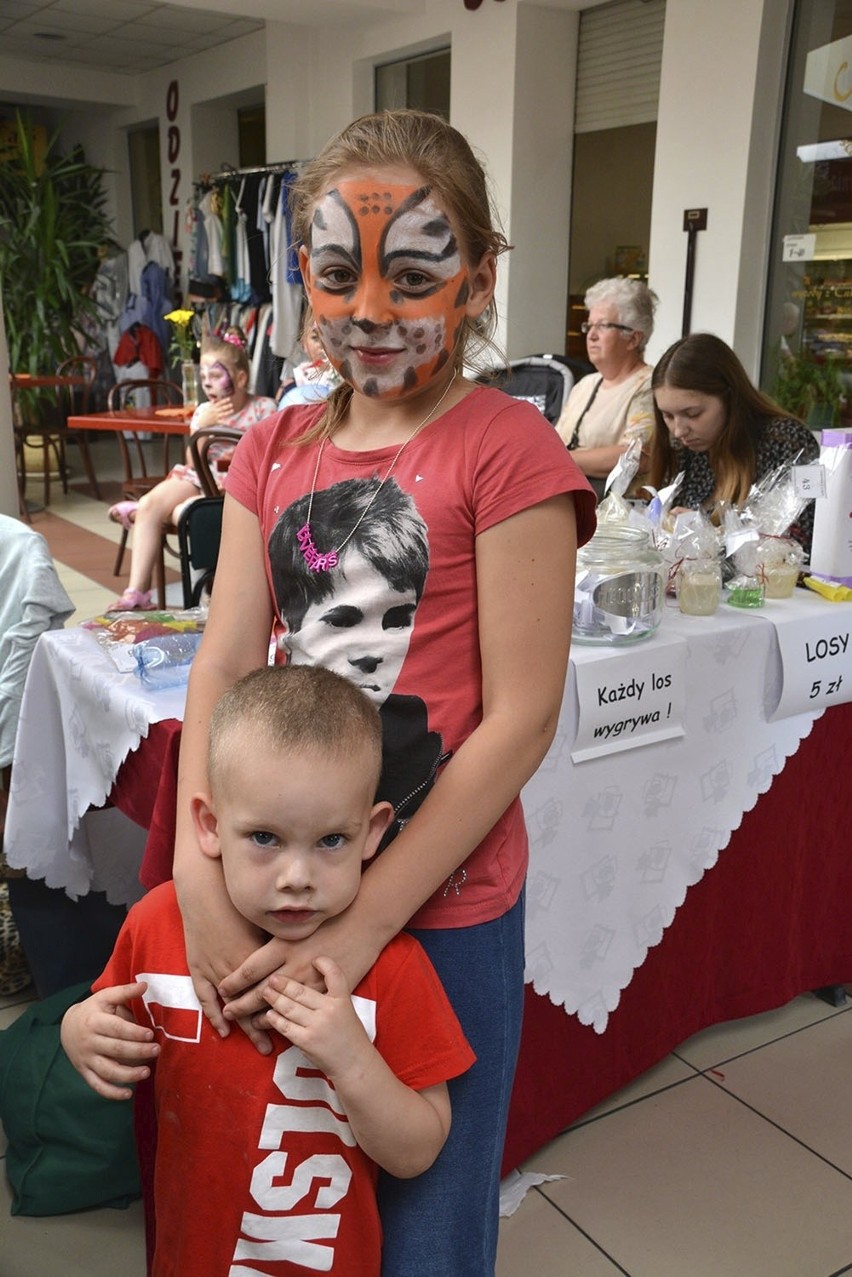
pixel 181 317
pixel 183 337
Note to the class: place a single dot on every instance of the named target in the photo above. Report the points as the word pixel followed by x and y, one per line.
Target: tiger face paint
pixel 387 284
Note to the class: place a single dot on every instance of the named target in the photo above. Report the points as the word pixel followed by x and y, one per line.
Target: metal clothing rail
pixel 279 166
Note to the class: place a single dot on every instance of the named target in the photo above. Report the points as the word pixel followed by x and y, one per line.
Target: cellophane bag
pixel 118 633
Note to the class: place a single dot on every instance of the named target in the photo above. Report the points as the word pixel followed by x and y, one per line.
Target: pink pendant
pixel 316 561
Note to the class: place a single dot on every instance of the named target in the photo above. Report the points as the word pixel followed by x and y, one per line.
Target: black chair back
pixel 199 534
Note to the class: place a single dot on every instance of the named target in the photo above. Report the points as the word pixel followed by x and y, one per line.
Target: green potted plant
pixel 52 224
pixel 810 388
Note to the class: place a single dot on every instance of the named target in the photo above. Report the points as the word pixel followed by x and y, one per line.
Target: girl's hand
pixel 350 944
pixel 223 410
pixel 205 416
pixel 218 939
pixel 105 1044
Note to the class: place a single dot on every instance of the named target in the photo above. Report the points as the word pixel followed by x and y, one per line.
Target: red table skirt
pixel 770 921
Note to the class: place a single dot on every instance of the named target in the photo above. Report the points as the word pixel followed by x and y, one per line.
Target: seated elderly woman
pixel 713 426
pixel 610 407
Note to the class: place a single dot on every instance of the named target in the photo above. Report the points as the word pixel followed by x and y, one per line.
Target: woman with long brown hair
pixel 718 430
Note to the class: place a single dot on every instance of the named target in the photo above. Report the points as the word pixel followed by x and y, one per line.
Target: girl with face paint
pixel 398 251
pixel 224 380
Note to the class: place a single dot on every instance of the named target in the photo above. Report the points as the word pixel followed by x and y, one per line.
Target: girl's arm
pixel 525 583
pixel 236 640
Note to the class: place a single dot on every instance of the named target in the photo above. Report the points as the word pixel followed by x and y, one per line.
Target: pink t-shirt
pixel 398 614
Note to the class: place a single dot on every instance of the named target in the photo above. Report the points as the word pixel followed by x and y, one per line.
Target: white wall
pixel 720 95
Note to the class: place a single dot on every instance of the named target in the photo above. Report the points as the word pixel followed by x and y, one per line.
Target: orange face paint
pixel 387 285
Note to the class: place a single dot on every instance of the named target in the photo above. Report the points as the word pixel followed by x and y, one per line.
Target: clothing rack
pixel 279 166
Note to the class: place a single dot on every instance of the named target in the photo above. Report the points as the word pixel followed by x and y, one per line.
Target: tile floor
pixel 730 1158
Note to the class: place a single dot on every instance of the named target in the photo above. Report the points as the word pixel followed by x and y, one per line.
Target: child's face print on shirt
pixel 361 631
pixel 387 283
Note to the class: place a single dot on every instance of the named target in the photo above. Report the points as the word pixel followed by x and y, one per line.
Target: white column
pixel 717 139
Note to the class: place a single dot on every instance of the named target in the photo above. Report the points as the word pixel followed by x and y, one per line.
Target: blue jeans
pixel 444 1222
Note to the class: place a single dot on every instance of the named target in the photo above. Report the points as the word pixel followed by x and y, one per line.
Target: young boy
pixel 267 1164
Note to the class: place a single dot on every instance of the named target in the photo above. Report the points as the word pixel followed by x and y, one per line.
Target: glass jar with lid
pixel 619 591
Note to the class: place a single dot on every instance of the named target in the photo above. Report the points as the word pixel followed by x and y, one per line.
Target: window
pixel 146 190
pixel 809 296
pixel 251 125
pixel 421 82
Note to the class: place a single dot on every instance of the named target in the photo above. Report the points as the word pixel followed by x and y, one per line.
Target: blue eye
pixel 262 838
pixel 333 842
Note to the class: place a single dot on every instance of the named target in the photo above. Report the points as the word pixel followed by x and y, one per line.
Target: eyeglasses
pixel 603 327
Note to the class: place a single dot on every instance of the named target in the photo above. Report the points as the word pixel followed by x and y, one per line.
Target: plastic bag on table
pixel 118 632
pixel 165 661
pixel 613 508
pixel 693 539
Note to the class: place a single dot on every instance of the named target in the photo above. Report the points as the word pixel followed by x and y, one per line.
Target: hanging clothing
pixel 149 247
pixel 213 231
pixel 140 346
pixel 286 278
pixel 240 285
pixel 257 262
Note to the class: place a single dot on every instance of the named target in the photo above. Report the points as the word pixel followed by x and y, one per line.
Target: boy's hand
pixel 323 1025
pixel 105 1044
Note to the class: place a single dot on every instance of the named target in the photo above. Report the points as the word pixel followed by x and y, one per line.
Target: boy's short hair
pixel 298 707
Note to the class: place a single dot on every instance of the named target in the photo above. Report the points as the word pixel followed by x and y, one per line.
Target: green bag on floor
pixel 69 1149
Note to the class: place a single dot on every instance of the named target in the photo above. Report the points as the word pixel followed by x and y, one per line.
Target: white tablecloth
pixel 616 842
pixel 79 720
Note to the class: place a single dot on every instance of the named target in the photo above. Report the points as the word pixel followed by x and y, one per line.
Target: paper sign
pixel 628 696
pixel 815 641
pixel 809 481
pixel 799 248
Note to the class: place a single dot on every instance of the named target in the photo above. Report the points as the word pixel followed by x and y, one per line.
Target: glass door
pixel 807 354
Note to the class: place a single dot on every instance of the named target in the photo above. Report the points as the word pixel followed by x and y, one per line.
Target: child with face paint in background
pixel 224 380
pixel 314 378
pixel 398 254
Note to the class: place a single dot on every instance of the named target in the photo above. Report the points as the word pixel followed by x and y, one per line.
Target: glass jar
pixel 781 580
pixel 746 591
pixel 619 590
pixel 779 564
pixel 190 375
pixel 699 586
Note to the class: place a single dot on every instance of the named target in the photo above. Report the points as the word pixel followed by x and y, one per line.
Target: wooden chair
pixel 79 400
pixel 41 417
pixel 207 467
pixel 137 479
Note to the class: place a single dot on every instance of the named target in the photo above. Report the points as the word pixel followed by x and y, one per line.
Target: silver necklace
pixel 314 558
